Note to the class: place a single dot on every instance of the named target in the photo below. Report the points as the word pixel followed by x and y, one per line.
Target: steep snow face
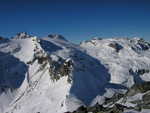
pixel 123 57
pixel 24 87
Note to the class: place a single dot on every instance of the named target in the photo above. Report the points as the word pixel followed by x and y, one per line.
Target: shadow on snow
pixel 12 71
pixel 90 78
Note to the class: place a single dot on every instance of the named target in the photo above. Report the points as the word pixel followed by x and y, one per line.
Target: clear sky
pixel 76 19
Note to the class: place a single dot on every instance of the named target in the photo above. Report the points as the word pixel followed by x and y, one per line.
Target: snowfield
pixel 53 75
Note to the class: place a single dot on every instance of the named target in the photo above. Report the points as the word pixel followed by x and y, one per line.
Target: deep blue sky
pixel 76 19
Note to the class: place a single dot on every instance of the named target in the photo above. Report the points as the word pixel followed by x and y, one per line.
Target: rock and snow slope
pixel 52 75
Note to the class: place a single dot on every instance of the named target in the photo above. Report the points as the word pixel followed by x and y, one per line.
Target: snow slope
pixel 129 56
pixel 52 75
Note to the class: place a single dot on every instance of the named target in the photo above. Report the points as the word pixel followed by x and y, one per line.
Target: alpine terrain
pixel 53 75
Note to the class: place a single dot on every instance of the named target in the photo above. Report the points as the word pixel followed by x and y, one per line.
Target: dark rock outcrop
pixel 57 69
pixel 141 45
pixel 116 46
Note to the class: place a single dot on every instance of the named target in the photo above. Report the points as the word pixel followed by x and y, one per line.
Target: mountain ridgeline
pixel 52 75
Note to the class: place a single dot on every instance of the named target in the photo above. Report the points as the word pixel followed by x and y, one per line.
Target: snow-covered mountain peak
pixel 22 35
pixel 56 36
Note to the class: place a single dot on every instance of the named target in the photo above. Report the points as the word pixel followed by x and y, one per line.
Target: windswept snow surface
pixel 98 71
